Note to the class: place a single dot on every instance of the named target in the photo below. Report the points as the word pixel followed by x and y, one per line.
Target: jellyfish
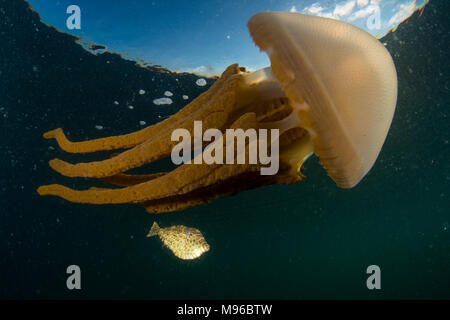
pixel 331 90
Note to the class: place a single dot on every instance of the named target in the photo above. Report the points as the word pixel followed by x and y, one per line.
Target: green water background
pixel 307 241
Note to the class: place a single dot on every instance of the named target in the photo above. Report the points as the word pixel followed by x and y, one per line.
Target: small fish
pixel 185 243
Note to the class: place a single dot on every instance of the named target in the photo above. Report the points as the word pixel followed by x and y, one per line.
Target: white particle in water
pixel 116 103
pixel 141 91
pixel 130 107
pixel 142 123
pixel 98 127
pixel 168 94
pixel 185 97
pixel 161 101
pixel 201 82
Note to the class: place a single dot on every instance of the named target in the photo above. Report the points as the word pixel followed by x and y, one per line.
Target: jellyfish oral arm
pixel 237 101
pixel 263 85
pixel 234 141
pixel 260 84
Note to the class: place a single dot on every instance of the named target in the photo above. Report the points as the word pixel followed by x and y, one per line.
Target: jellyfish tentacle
pixel 135 157
pixel 172 191
pixel 109 143
pixel 144 153
pixel 215 114
pixel 132 139
pixel 232 186
pixel 125 180
pixel 184 179
pixel 218 113
pixel 204 195
pixel 164 186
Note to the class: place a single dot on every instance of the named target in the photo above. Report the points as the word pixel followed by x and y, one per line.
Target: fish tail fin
pixel 154 230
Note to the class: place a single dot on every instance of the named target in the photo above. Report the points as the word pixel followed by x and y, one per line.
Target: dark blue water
pixel 311 240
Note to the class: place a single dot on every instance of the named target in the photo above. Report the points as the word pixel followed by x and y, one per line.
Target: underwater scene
pixel 284 150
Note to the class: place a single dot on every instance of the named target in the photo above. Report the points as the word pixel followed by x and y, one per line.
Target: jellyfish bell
pixel 331 90
pixel 341 80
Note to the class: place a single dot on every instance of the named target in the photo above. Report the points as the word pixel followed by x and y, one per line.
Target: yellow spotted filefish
pixel 185 243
